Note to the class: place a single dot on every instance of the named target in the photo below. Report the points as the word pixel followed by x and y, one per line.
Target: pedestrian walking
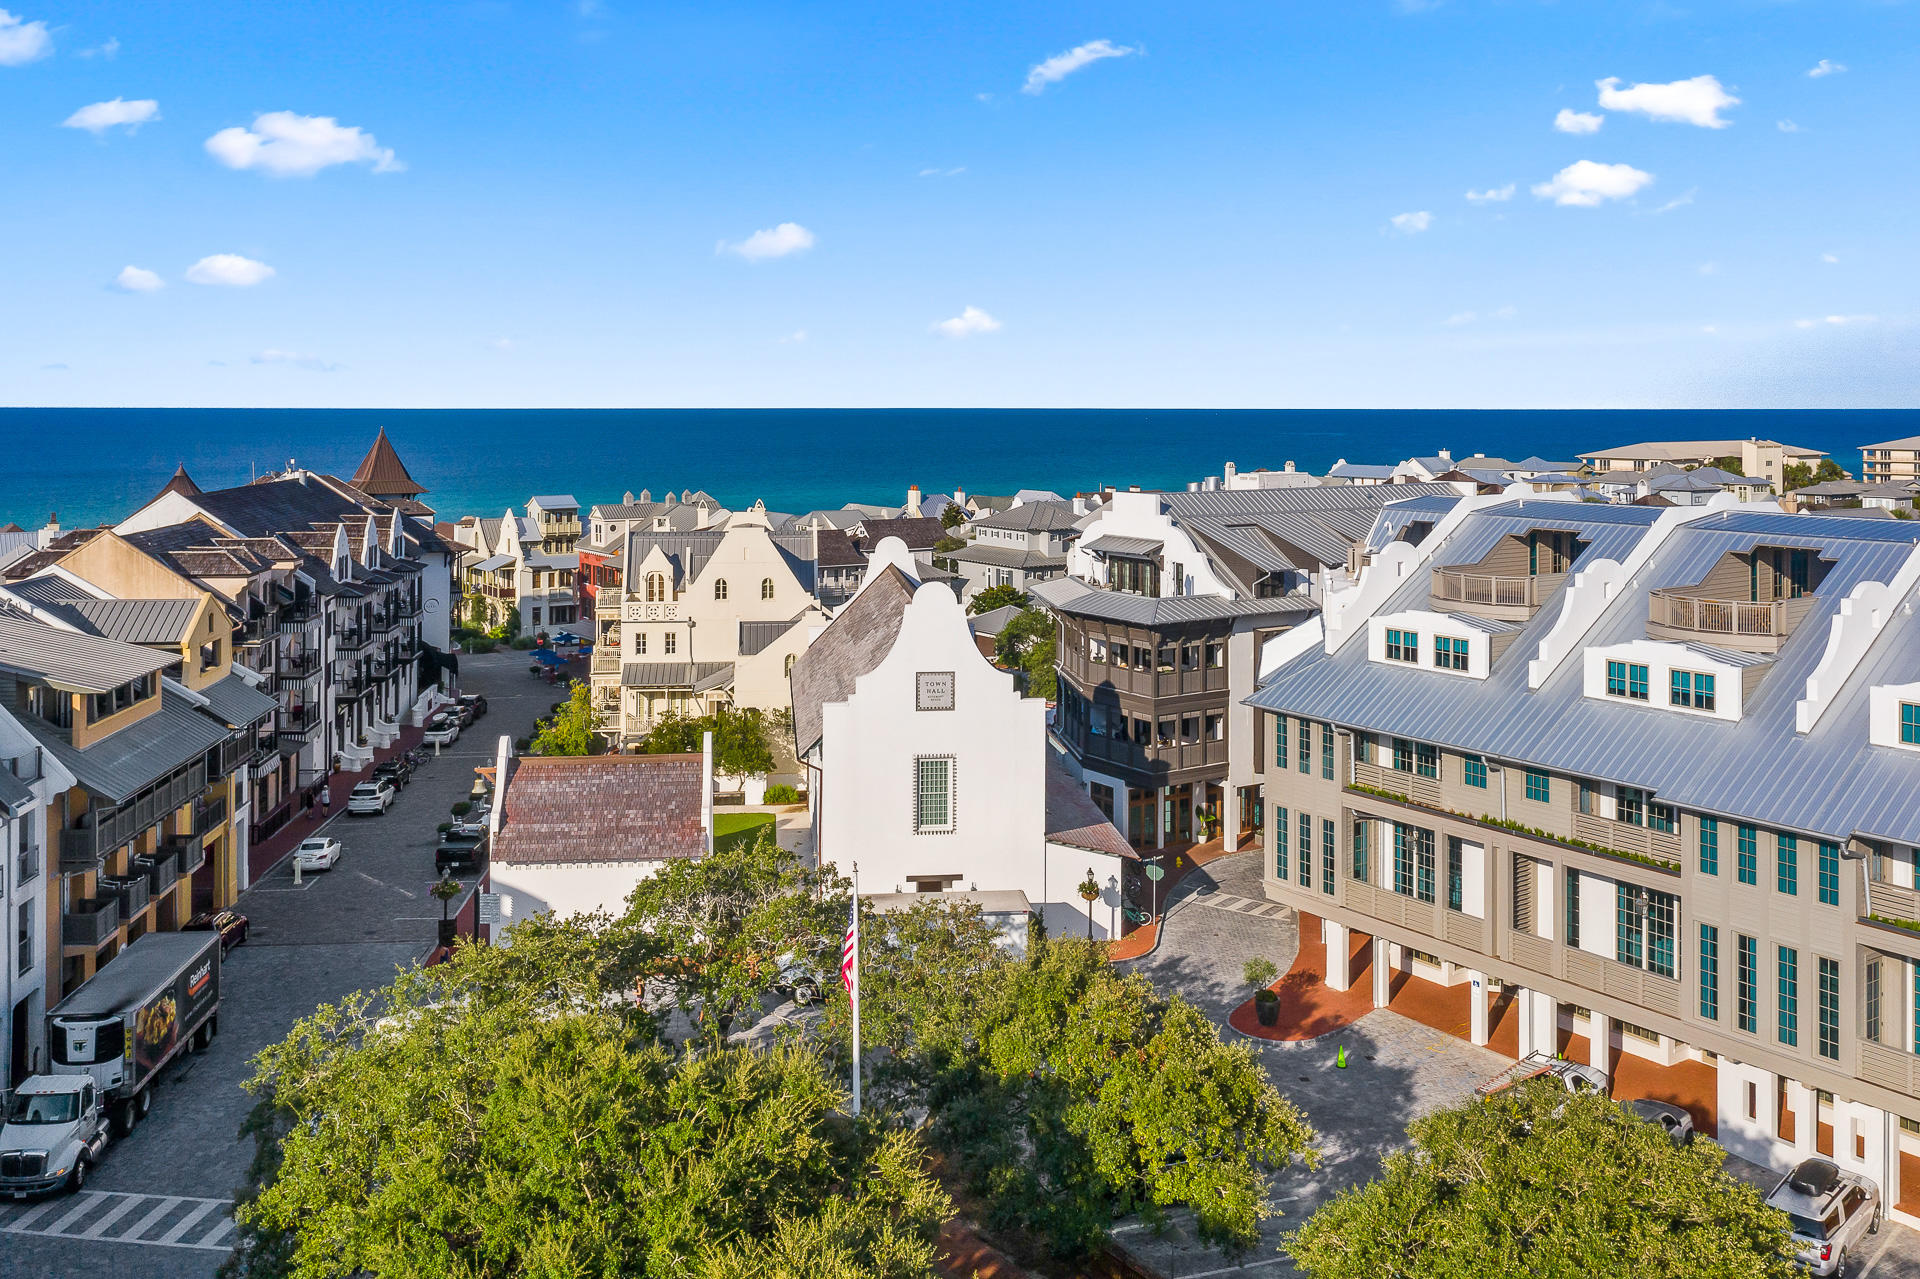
pixel 326 801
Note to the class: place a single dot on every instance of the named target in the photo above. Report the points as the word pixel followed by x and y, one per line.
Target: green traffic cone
pixel 1340 1059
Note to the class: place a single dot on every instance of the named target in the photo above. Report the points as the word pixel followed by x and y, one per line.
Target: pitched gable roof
pixel 603 808
pixel 859 638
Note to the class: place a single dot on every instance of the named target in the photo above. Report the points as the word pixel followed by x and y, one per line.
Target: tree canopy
pixel 997 597
pixel 1027 644
pixel 952 516
pixel 742 746
pixel 1540 1182
pixel 1798 475
pixel 512 1114
pixel 570 729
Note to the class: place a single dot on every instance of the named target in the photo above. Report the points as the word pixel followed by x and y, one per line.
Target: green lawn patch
pixel 732 830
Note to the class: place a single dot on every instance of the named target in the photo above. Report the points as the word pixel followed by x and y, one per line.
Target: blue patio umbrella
pixel 548 656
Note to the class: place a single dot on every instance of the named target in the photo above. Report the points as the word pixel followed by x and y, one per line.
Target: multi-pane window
pixel 1573 909
pixel 1280 742
pixel 1362 853
pixel 1709 846
pixel 1281 833
pixel 1326 752
pixel 1692 690
pixel 1789 996
pixel 1402 755
pixel 1629 929
pixel 1449 654
pixel 1662 910
pixel 1747 983
pixel 1660 816
pixel 1538 788
pixel 1304 755
pixel 1456 872
pixel 1829 872
pixel 933 793
pixel 1910 723
pixel 1627 679
pixel 1829 976
pixel 1747 854
pixel 1473 770
pixel 1630 805
pixel 1787 864
pixel 1873 1000
pixel 1306 851
pixel 1327 844
pixel 1403 646
pixel 1413 862
pixel 1710 972
pixel 1426 759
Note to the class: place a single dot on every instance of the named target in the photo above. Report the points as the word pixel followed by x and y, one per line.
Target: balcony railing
pixel 162 868
pixel 1421 790
pixel 132 892
pixel 1891 901
pixel 28 767
pixel 26 864
pixel 1492 594
pixel 189 855
pixel 1165 681
pixel 1170 757
pixel 209 813
pixel 300 665
pixel 297 613
pixel 1647 841
pixel 103 830
pixel 1754 627
pixel 353 638
pixel 90 922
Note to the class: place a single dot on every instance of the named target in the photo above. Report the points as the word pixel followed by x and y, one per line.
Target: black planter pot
pixel 1266 1006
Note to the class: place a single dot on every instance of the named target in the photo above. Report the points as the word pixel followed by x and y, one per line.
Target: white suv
pixel 442 730
pixel 373 797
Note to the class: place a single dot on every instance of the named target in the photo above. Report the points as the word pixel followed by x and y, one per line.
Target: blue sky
pixel 1262 205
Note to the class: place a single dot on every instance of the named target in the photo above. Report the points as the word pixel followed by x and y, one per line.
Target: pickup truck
pixel 1570 1075
pixel 109 1040
pixel 459 852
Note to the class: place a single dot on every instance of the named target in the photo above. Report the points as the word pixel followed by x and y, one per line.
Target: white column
pixel 1339 955
pixel 1806 1118
pixel 1600 1044
pixel 1477 1007
pixel 1160 818
pixel 1539 1022
pixel 1382 972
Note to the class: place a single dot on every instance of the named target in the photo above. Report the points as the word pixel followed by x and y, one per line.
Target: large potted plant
pixel 1259 973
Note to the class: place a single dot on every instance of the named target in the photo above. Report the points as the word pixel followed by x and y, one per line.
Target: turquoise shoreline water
pixel 95 465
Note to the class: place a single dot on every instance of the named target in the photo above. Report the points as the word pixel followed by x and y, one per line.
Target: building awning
pixel 237 703
pixel 694 677
pixel 493 563
pixel 1112 544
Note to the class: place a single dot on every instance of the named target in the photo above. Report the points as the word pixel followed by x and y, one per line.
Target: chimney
pixel 1079 505
pixel 1289 466
pixel 913 500
pixel 1230 471
pixel 1446 455
pixel 960 497
pixel 502 756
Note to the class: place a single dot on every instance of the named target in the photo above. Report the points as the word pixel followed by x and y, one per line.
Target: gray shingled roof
pixel 854 644
pixel 1828 782
pixel 995 556
pixel 1033 516
pixel 603 808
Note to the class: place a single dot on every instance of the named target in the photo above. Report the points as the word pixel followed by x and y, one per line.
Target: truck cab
pixel 54 1130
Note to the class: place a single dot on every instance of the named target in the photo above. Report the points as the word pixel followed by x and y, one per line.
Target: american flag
pixel 850 949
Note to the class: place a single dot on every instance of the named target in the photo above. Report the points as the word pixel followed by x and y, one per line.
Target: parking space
pixel 159 1204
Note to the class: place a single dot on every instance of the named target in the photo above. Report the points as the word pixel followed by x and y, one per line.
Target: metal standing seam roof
pixel 75 660
pixel 1609 532
pixel 1004 556
pixel 138 755
pixel 237 703
pixel 697 676
pixel 1759 769
pixel 756 636
pixel 1070 595
pixel 688 553
pixel 1114 544
pixel 14 793
pixel 163 621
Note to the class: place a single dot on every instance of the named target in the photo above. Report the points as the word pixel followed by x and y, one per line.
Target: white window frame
pixel 933 828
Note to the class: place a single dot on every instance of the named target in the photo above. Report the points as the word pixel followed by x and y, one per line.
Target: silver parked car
pixel 1675 1122
pixel 1831 1212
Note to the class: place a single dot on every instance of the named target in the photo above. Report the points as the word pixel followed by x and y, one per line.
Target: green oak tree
pixel 997 597
pixel 742 744
pixel 1027 644
pixel 570 729
pixel 1542 1183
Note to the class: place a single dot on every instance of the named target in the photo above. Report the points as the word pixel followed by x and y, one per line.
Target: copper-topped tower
pixel 383 475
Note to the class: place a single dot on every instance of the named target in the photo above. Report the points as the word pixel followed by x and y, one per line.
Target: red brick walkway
pixel 1309 1008
pixel 270 852
pixel 1178 861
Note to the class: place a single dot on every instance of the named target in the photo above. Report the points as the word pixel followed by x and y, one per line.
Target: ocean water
pixel 96 465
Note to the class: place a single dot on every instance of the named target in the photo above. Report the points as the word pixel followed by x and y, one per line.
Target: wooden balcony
pixel 1890 901
pixel 1424 791
pixel 1737 624
pixel 1160 681
pixel 1628 838
pixel 90 923
pixel 1492 595
pixel 1158 760
pixel 1890 1068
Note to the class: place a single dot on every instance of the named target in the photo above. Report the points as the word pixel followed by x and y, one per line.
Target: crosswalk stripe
pixel 212 1237
pixel 99 1227
pixel 186 1223
pixel 26 1218
pixel 160 1210
pixel 89 1200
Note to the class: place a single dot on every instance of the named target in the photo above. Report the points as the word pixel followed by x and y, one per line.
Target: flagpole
pixel 856 990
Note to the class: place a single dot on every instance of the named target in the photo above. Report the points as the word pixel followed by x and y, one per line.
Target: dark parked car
pixel 463 712
pixel 395 770
pixel 230 924
pixel 477 702
pixel 459 853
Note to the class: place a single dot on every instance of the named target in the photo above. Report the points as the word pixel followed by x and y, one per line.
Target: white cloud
pixel 1680 201
pixel 1826 68
pixel 1586 183
pixel 21 41
pixel 1709 268
pixel 118 113
pixel 1504 313
pixel 1571 121
pixel 1787 126
pixel 1831 259
pixel 1062 65
pixel 107 50
pixel 774 242
pixel 1696 101
pixel 943 173
pixel 501 344
pixel 228 269
pixel 312 363
pixel 1835 320
pixel 970 321
pixel 136 279
pixel 1411 223
pixel 794 338
pixel 1459 318
pixel 1492 194
pixel 287 145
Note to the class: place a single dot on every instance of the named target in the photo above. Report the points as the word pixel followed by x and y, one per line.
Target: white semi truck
pixel 109 1041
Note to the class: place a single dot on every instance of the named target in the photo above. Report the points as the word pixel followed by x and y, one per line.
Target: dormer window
pixel 1693 690
pixel 1910 723
pixel 1449 654
pixel 1627 679
pixel 1403 646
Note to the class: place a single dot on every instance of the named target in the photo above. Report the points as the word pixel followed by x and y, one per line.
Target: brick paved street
pixel 345 930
